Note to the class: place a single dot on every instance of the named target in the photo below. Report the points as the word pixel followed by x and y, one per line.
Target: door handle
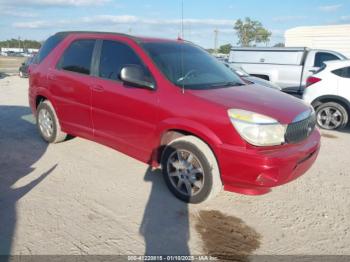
pixel 97 88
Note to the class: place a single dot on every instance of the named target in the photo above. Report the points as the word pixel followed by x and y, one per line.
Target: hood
pixel 263 100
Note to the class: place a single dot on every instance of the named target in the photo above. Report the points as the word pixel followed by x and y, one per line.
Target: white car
pixel 328 91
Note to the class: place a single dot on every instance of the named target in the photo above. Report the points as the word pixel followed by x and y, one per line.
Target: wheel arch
pixel 39 99
pixel 170 132
pixel 40 94
pixel 332 98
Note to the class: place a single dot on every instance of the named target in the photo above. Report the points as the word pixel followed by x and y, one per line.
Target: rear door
pixel 124 116
pixel 70 84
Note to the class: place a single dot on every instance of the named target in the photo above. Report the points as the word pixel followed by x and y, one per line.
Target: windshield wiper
pixel 224 84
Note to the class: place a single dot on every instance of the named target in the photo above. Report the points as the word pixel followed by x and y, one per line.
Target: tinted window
pixel 78 56
pixel 343 72
pixel 48 46
pixel 115 56
pixel 321 57
pixel 191 67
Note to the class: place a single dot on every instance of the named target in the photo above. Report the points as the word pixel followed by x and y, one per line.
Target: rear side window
pixel 47 47
pixel 343 72
pixel 77 57
pixel 115 56
pixel 322 57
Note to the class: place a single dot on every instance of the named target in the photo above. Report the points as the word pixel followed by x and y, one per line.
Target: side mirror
pixel 135 75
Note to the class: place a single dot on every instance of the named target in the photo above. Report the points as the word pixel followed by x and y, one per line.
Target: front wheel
pixel 331 116
pixel 190 170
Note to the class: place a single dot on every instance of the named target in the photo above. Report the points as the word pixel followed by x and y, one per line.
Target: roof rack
pixel 65 33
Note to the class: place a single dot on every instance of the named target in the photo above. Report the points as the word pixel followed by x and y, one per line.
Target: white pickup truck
pixel 287 67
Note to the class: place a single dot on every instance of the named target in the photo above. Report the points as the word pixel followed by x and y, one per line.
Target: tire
pixel 204 185
pixel 331 116
pixel 48 124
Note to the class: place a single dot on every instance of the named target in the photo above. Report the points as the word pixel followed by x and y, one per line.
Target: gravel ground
pixel 79 197
pixel 10 64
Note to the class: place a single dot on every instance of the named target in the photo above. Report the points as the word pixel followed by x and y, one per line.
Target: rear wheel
pixel 190 170
pixel 48 124
pixel 331 116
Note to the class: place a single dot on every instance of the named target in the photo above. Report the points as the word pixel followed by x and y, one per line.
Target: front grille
pixel 298 131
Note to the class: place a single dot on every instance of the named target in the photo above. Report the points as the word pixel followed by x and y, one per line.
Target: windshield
pixel 191 67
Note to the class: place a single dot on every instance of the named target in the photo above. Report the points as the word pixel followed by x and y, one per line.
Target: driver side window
pixel 115 56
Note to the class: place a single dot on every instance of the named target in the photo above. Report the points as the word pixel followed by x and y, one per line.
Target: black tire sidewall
pixel 339 107
pixel 46 106
pixel 208 180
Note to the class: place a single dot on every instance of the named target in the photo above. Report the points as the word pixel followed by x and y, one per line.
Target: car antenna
pixel 182 37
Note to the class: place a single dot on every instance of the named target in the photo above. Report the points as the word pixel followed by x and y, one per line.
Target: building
pixel 331 37
pixel 19 50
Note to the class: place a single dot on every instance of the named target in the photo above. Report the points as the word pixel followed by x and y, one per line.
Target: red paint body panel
pixel 256 99
pixel 242 168
pixel 133 120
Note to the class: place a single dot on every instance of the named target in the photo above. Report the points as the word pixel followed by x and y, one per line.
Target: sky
pixel 38 19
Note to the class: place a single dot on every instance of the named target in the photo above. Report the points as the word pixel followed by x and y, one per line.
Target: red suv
pixel 172 104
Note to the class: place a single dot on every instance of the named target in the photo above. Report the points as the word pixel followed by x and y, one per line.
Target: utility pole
pixel 216 40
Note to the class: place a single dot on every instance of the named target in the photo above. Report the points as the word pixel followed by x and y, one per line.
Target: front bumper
pixel 255 171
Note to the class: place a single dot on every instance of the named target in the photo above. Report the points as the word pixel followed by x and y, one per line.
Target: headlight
pixel 256 129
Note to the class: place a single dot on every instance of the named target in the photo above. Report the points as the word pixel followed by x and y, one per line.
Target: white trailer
pixel 330 37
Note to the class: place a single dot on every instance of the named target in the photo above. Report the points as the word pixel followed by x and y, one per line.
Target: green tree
pixel 225 49
pixel 20 43
pixel 210 50
pixel 251 32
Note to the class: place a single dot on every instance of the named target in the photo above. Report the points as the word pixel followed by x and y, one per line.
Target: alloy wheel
pixel 45 123
pixel 185 172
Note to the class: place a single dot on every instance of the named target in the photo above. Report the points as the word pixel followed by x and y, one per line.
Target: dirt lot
pixel 79 197
pixel 10 65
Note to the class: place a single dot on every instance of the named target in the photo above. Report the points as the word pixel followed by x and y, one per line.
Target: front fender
pixel 190 126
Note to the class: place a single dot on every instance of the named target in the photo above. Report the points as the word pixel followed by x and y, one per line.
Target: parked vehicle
pixel 27 54
pixel 252 79
pixel 328 92
pixel 287 67
pixel 172 104
pixel 23 69
pixel 10 53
